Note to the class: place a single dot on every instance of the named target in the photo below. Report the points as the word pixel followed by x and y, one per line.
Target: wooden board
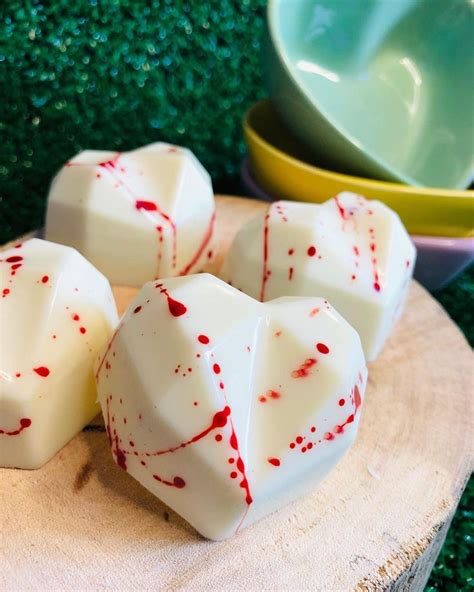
pixel 376 523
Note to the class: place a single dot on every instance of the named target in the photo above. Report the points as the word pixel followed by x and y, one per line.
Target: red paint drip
pixel 177 482
pixel 274 461
pixel 24 423
pixel 290 273
pixel 303 370
pixel 342 211
pixel 148 206
pixel 322 348
pixel 176 308
pixel 205 241
pixel 144 206
pixel 218 421
pixel 42 371
pixel 265 271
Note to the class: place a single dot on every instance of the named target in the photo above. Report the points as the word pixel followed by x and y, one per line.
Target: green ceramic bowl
pixel 379 88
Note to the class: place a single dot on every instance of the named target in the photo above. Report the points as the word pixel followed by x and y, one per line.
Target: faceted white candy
pixel 56 313
pixel 135 215
pixel 354 252
pixel 224 407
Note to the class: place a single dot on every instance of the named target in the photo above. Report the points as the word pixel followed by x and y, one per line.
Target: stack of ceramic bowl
pixel 374 98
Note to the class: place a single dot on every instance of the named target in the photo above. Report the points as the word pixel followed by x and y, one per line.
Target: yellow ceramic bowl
pixel 281 166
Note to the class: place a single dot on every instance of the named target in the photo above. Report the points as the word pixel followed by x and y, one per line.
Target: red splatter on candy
pixel 149 206
pixel 311 251
pixel 25 422
pixel 44 279
pixel 203 339
pixel 216 368
pixel 342 402
pixel 42 371
pixel 322 348
pixel 137 309
pixel 274 461
pixel 14 259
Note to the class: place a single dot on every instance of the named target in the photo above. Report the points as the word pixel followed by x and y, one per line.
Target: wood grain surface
pixel 376 522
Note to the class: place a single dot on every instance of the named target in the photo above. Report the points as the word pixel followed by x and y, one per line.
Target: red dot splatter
pixel 14 259
pixel 18 374
pixel 233 475
pixel 137 309
pixel 322 348
pixel 328 436
pixel 311 251
pixel 203 339
pixel 5 292
pixel 218 438
pixel 44 279
pixel 274 461
pixel 290 252
pixel 216 368
pixel 75 317
pixel 342 402
pixel 376 286
pixel 313 429
pixel 42 371
pixel 83 330
pixel 299 440
pixel 292 445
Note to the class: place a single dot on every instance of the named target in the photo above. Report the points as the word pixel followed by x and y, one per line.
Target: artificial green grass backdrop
pixel 118 74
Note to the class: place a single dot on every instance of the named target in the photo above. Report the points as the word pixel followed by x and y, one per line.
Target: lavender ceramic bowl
pixel 439 259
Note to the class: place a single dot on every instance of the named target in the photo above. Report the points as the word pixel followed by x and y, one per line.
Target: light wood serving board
pixel 377 522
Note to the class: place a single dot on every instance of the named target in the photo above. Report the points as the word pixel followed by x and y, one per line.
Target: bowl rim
pixel 358 144
pixel 372 183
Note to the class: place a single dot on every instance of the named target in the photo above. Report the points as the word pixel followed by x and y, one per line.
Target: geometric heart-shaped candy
pixel 135 215
pixel 354 252
pixel 224 407
pixel 56 312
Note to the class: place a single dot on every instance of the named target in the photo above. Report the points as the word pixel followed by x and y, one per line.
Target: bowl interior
pixel 392 76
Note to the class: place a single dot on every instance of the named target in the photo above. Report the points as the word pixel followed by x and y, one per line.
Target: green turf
pixel 118 74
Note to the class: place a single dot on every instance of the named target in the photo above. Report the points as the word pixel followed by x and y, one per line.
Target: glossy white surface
pixel 56 313
pixel 135 215
pixel 354 252
pixel 224 407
